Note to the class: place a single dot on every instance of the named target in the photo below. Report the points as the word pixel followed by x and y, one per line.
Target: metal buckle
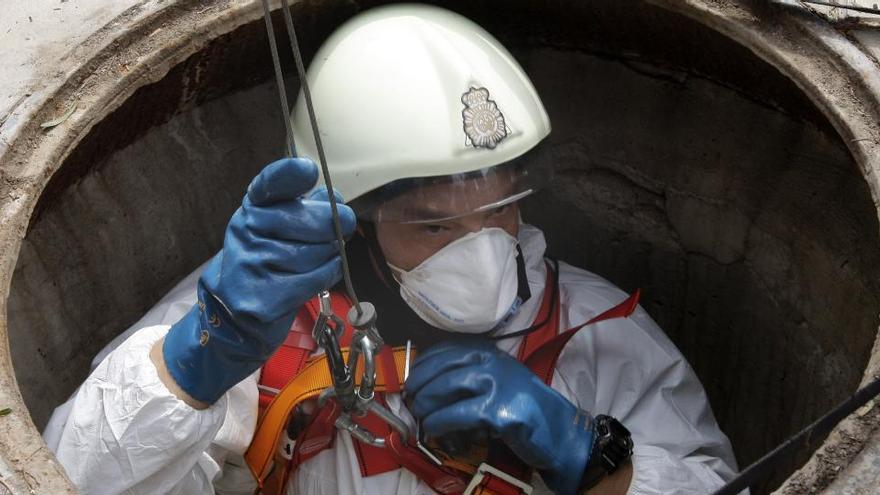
pixel 486 469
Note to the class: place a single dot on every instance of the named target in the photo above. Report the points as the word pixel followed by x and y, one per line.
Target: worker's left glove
pixel 462 387
pixel 278 252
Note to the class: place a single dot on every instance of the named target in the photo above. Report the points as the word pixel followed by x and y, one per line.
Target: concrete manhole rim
pixel 840 79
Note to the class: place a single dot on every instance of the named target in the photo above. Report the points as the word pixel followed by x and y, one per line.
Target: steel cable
pixel 802 439
pixel 301 73
pixel 838 5
pixel 279 79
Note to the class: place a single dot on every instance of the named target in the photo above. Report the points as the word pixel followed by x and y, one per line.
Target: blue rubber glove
pixel 460 387
pixel 278 252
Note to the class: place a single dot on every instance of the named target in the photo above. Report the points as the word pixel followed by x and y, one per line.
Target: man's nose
pixel 476 222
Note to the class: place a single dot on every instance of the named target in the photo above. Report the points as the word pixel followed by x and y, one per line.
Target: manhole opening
pixel 685 166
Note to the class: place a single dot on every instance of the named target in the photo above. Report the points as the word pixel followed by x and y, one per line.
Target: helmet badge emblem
pixel 483 122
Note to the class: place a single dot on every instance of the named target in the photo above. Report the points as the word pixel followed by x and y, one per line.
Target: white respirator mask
pixel 469 286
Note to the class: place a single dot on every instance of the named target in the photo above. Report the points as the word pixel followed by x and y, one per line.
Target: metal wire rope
pixel 838 5
pixel 802 439
pixel 291 150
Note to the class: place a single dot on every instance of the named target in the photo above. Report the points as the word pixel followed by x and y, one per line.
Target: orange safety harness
pixel 293 376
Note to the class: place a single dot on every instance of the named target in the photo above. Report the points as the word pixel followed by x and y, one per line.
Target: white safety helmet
pixel 408 97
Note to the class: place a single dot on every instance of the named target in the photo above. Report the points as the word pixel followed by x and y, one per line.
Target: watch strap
pixel 612 447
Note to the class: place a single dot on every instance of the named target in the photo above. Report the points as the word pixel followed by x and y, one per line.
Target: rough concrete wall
pixel 862 473
pixel 36 36
pixel 751 233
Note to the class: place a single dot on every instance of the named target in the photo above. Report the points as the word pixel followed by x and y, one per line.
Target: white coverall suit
pixel 126 433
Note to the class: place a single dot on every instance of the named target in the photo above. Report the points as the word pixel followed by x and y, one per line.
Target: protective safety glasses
pixel 434 199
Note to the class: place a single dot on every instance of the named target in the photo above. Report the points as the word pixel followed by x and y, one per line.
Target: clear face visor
pixel 434 199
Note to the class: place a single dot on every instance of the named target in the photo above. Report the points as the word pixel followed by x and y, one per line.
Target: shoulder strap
pixel 308 384
pixel 289 359
pixel 542 361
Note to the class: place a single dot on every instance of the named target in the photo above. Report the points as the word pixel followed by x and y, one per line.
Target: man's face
pixel 406 245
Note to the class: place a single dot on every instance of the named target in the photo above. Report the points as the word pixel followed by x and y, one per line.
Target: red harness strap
pixel 542 361
pixel 539 350
pixel 374 460
pixel 548 314
pixel 290 358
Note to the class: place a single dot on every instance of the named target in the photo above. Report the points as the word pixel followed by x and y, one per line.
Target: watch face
pixel 617 429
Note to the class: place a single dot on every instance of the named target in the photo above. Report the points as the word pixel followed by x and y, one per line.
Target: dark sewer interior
pixel 684 166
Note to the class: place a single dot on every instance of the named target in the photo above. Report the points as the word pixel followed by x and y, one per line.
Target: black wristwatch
pixel 612 447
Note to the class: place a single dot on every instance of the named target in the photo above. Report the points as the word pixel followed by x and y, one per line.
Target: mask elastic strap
pixel 523 291
pixel 554 296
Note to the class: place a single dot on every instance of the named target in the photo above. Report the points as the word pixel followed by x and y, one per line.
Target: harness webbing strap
pixel 290 357
pixel 539 350
pixel 374 460
pixel 543 361
pixel 308 384
pixel 549 314
pixel 393 381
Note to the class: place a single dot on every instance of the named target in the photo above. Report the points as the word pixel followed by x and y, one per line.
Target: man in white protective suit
pixel 432 134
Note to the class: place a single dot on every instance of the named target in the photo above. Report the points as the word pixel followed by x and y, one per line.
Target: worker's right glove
pixel 471 386
pixel 278 252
